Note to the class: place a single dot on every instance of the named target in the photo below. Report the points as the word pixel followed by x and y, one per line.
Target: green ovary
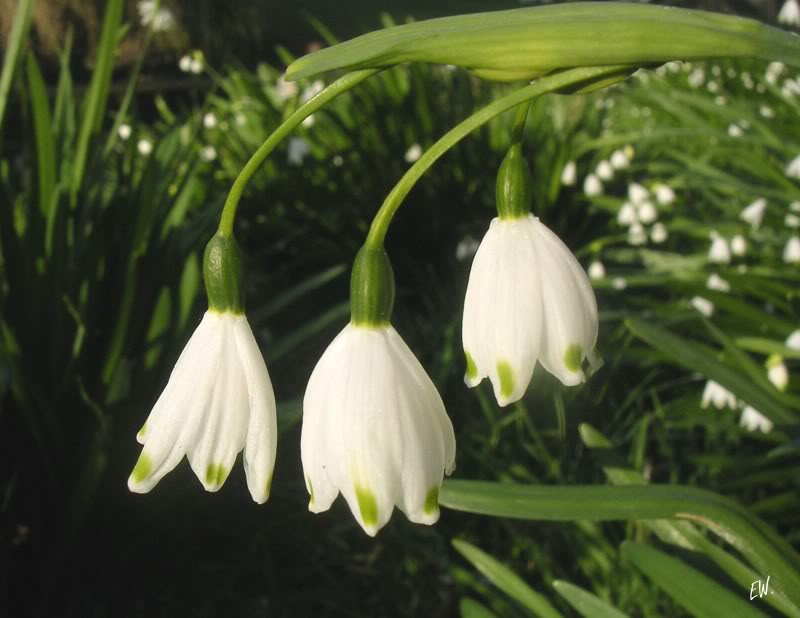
pixel 573 357
pixel 368 506
pixel 506 375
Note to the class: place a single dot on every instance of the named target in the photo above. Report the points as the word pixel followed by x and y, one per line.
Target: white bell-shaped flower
pixel 637 193
pixel 664 195
pixel 568 174
pixel 738 245
pixel 790 13
pixel 627 214
pixel 793 340
pixel 791 252
pixel 702 305
pixel 793 168
pixel 659 233
pixel 219 398
pixel 647 212
pixel 375 429
pixel 218 401
pixel 604 170
pixel 592 185
pixel 754 213
pixel 777 372
pixel 719 252
pixel 718 396
pixel 597 270
pixel 619 160
pixel 752 420
pixel 528 299
pixel 717 283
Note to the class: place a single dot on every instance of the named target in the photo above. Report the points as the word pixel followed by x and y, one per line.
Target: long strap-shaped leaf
pixel 530 42
pixel 17 38
pixel 748 534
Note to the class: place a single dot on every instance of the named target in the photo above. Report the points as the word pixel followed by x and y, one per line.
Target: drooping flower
pixel 719 252
pixel 568 174
pixel 793 340
pixel 791 252
pixel 592 186
pixel 627 214
pixel 664 195
pixel 791 220
pixel 717 283
pixel 637 234
pixel 738 245
pixel 646 212
pixel 793 168
pixel 161 19
pixel 144 146
pixel 790 13
pixel 754 213
pixel 752 420
pixel 777 372
pixel 297 150
pixel 219 397
pixel 637 194
pixel 619 160
pixel 124 131
pixel 528 300
pixel 659 233
pixel 597 270
pixel 413 153
pixel 702 305
pixel 718 396
pixel 210 120
pixel 374 425
pixel 604 170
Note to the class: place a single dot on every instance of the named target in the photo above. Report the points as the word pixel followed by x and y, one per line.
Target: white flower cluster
pixel 640 210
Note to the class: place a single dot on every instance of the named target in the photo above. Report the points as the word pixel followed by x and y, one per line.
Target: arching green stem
pixel 519 122
pixel 312 105
pixel 573 79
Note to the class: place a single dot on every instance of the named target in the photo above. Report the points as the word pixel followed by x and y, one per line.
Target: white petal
pixel 570 309
pixel 262 429
pixel 175 421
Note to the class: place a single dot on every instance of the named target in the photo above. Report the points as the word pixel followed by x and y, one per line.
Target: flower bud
pixel 371 288
pixel 222 271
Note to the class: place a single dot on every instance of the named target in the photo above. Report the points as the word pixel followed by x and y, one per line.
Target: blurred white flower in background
pixel 592 186
pixel 285 90
pixel 754 213
pixel 637 193
pixel 697 77
pixel 604 170
pixel 196 65
pixel 777 372
pixel 309 121
pixel 790 13
pixel 717 283
pixel 753 420
pixel 791 252
pixel 413 153
pixel 718 396
pixel 791 220
pixel 659 233
pixel 568 174
pixel 637 234
pixel 793 341
pixel 664 195
pixel 297 150
pixel 793 168
pixel 766 111
pixel 208 153
pixel 734 130
pixel 144 146
pixel 619 160
pixel 719 252
pixel 747 80
pixel 185 63
pixel 466 248
pixel 313 90
pixel 627 214
pixel 794 206
pixel 210 120
pixel 646 212
pixel 738 245
pixel 124 131
pixel 162 19
pixel 703 305
pixel 598 271
pixel 619 283
pixel 773 72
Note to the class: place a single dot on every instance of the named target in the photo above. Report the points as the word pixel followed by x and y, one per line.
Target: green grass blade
pixel 470 608
pixel 697 357
pixel 94 109
pixel 586 603
pixel 700 595
pixel 505 579
pixel 43 130
pixel 764 548
pixel 17 38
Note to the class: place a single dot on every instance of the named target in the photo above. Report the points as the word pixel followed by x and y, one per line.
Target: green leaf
pixel 505 579
pixel 523 44
pixel 761 545
pixel 699 595
pixel 585 603
pixel 43 130
pixel 470 608
pixel 697 357
pixel 94 109
pixel 17 38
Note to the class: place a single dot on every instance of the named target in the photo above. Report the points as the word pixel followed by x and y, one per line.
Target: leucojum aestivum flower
pixel 375 428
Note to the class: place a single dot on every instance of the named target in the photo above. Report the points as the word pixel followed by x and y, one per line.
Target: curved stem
pixel 759 543
pixel 551 83
pixel 519 122
pixel 304 111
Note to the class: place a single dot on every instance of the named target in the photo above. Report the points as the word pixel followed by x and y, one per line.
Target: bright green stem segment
pixel 312 105
pixel 371 288
pixel 552 83
pixel 756 541
pixel 223 274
